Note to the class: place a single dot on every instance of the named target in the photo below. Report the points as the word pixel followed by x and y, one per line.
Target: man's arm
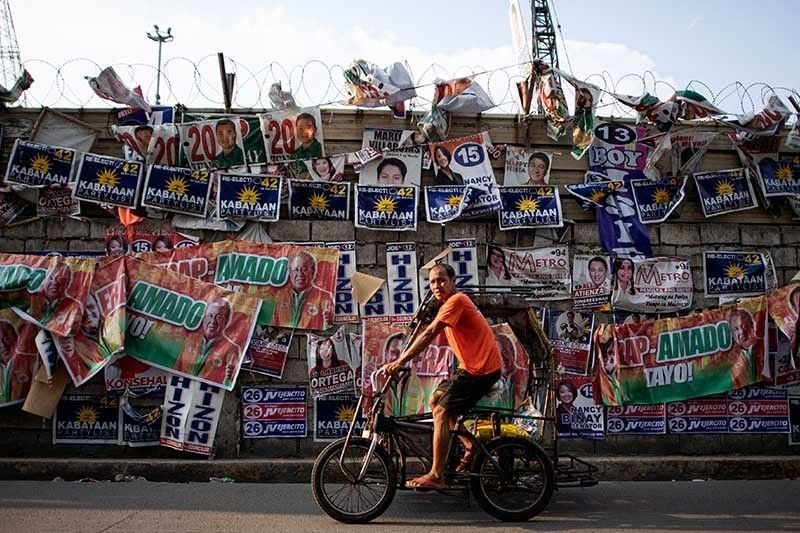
pixel 420 343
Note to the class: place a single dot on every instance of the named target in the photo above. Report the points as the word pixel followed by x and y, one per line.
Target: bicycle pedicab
pixel 513 471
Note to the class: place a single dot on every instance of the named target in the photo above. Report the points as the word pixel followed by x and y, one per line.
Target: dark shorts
pixel 464 390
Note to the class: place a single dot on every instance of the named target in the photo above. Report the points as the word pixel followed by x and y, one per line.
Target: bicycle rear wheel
pixel 340 493
pixel 514 480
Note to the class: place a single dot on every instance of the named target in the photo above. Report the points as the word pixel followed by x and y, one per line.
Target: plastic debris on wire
pixel 109 86
pixel 281 100
pixel 462 95
pixel 9 96
pixel 369 85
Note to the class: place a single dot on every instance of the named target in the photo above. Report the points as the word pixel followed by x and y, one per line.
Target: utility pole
pixel 160 38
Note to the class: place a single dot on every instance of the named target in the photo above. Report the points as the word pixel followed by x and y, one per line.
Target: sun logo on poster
pixel 318 201
pixel 88 414
pixel 249 195
pixel 527 203
pixel 724 188
pixel 384 204
pixel 454 200
pixel 734 271
pixel 41 163
pixel 597 196
pixel 345 413
pixel 784 173
pixel 661 196
pixel 107 177
pixel 177 185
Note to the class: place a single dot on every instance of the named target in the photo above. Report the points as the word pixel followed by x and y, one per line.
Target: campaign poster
pixel 190 417
pixel 734 274
pixel 138 429
pixel 618 150
pixel 577 415
pixel 544 272
pixel 252 138
pixel 779 177
pixel 329 371
pixel 333 415
pixel 637 420
pixel 699 415
pixel 655 285
pixel 591 281
pixel 38 165
pixel 383 339
pixel 354 344
pixel 530 207
pixel 318 200
pixel 570 335
pixel 511 390
pixel 293 134
pixel 127 373
pixel 396 166
pixel 386 208
pixel 86 419
pixel 725 191
pixel 464 161
pixel 784 308
pixel 116 241
pixel 401 276
pixel 657 200
pixel 186 327
pixel 445 203
pixel 179 190
pixel 108 180
pixel 527 166
pixel 155 144
pixel 274 412
pixel 758 409
pixel 794 419
pixel 463 257
pixel 12 207
pixel 346 310
pixel 378 305
pixel 213 144
pixel 267 351
pixel 786 374
pixel 675 359
pixel 329 168
pixel 19 358
pixel 249 196
pixel 57 201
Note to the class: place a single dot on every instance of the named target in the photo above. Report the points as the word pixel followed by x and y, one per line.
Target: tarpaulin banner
pixel 530 207
pixel 586 97
pixel 317 200
pixel 213 143
pixel 786 374
pixel 675 359
pixel 511 390
pixel 382 342
pixel 637 420
pixel 333 415
pixel 734 274
pixel 116 241
pixel 57 201
pixel 527 166
pixel 401 276
pixel 463 257
pixel 273 412
pixel 747 410
pixel 591 281
pixel 186 327
pixel 464 161
pixel 767 122
pixel 679 153
pixel 330 168
pixel 295 283
pixel 155 144
pixel 136 430
pixel 180 190
pixel 86 419
pixel 378 305
pixel 577 415
pixel 19 358
pixel 191 415
pixel 544 271
pixel 386 208
pixel 346 310
pixel 252 137
pixel 550 96
pixel 570 339
pixel 657 200
pixel 46 290
pixel 126 373
pixel 267 351
pixel 779 177
pixel 293 134
pixel 699 415
pixel 108 180
pixel 36 165
pixel 461 95
pixel 109 86
pixel 101 334
pixel 397 166
pixel 446 203
pixel 655 285
pixel 784 309
pixel 618 151
pixel 725 191
pixel 328 371
pixel 248 196
pixel 369 85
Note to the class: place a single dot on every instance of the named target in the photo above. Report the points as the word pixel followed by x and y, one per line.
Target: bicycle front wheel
pixel 338 489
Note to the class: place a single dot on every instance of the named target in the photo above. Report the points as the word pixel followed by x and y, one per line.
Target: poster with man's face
pixel 293 134
pixel 591 281
pixel 527 166
pixel 213 143
pixel 397 166
pixel 19 359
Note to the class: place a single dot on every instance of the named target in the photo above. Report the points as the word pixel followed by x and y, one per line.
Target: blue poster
pixel 36 165
pixel 333 415
pixel 444 203
pixel 734 274
pixel 140 425
pixel 758 409
pixel 318 200
pixel 657 200
pixel 781 177
pixel 637 420
pixel 86 419
pixel 274 412
pixel 132 116
pixel 180 190
pixel 249 196
pixel 386 208
pixel 530 207
pixel 708 414
pixel 109 180
pixel 724 191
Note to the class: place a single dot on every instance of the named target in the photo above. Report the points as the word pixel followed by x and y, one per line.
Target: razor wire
pixel 196 84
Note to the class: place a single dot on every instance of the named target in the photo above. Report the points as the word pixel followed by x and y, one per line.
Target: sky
pixel 306 43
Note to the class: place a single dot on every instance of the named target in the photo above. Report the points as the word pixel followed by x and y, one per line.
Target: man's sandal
pixel 425 483
pixel 465 463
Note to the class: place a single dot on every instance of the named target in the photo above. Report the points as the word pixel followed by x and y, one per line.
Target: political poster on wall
pixel 155 144
pixel 657 200
pixel 577 415
pixel 108 180
pixel 463 257
pixel 56 201
pixel 19 358
pixel 699 415
pixel 12 207
pixel 570 339
pixel 378 305
pixel 346 310
pixel 128 373
pixel 333 415
pixel 293 134
pixel 510 391
pixel 401 277
pixel 530 207
pixel 191 415
pixel 784 308
pixel 267 351
pixel 786 375
pixel 591 281
pixel 655 285
pixel 734 274
pixel 248 196
pixel 675 359
pixel 779 177
pixel 794 403
pixel 545 272
pixel 527 166
pixel 38 165
pixel 354 344
pixel 116 241
pixel 179 190
pixel 86 419
pixel 255 154
pixel 386 208
pixel 330 168
pixel 136 430
pixel 725 191
pixel 397 166
pixel 618 151
pixel 637 420
pixel 445 203
pixel 747 410
pixel 215 143
pixel 329 371
pixel 274 412
pixel 313 200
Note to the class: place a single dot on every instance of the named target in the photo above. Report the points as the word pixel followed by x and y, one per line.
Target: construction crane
pixel 544 33
pixel 10 64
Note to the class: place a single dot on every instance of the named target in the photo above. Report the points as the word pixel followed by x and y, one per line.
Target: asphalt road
pixel 140 506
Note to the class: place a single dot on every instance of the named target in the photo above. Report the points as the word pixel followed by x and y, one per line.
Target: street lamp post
pixel 160 38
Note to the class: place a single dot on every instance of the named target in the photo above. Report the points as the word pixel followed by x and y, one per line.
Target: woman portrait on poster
pixel 116 245
pixel 496 263
pixel 445 175
pixel 567 392
pixel 325 170
pixel 623 278
pixel 538 169
pixel 162 243
pixel 326 358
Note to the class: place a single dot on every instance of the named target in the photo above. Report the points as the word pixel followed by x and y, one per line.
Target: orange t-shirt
pixel 469 335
